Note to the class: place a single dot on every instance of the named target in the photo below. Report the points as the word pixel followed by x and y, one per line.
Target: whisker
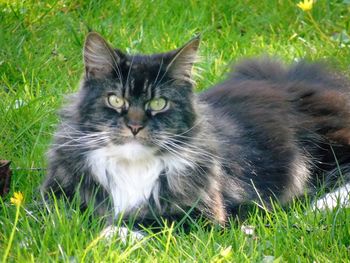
pixel 159 69
pixel 194 138
pixel 127 84
pixel 117 69
pixel 195 151
pixel 83 141
pixel 189 161
pixel 166 71
pixel 191 157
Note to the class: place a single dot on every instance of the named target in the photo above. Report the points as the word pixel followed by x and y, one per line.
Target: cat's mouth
pixel 124 136
pixel 135 140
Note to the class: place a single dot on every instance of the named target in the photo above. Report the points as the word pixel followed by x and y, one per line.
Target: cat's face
pixel 135 98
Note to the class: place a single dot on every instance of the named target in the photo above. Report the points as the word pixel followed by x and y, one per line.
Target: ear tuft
pixel 180 67
pixel 99 58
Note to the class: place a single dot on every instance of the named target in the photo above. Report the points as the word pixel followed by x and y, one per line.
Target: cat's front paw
pixel 122 233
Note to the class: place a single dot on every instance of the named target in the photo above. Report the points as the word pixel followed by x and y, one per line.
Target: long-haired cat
pixel 136 140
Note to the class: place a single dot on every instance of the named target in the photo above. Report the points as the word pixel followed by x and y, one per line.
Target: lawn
pixel 41 61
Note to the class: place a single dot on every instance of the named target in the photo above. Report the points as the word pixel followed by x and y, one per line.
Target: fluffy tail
pixel 320 100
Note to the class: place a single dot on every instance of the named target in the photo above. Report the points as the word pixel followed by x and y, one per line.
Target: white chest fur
pixel 129 173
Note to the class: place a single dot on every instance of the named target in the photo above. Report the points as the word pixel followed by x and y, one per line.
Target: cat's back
pixel 253 97
pixel 251 88
pixel 286 117
pixel 267 88
pixel 284 112
pixel 305 101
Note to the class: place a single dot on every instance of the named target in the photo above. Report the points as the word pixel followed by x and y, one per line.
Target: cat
pixel 135 140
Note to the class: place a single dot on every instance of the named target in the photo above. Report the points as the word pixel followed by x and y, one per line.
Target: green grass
pixel 40 61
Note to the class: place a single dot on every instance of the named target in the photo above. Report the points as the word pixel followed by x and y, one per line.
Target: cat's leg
pixel 55 184
pixel 339 197
pixel 212 204
pixel 59 181
pixel 218 209
pixel 123 233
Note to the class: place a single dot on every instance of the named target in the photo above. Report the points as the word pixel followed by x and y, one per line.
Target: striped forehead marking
pixel 145 85
pixel 149 93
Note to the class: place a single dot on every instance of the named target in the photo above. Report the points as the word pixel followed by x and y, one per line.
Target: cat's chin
pixel 131 140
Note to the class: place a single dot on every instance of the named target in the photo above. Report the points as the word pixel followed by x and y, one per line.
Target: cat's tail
pixel 317 95
pixel 320 101
pixel 265 68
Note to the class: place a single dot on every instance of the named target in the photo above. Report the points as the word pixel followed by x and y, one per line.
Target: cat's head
pixel 143 98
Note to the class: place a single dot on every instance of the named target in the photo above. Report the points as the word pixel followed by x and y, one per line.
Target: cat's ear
pixel 181 63
pixel 99 58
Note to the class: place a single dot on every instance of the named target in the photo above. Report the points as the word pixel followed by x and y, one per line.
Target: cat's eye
pixel 157 104
pixel 115 101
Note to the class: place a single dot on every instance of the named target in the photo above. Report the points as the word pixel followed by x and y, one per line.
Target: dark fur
pixel 284 114
pixel 266 133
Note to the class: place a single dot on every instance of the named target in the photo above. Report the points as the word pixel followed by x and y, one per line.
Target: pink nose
pixel 135 128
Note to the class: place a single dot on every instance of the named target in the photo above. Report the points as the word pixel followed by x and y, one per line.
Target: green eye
pixel 115 101
pixel 157 104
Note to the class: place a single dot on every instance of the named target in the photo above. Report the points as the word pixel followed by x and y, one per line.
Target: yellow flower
pixel 306 5
pixel 17 198
pixel 227 252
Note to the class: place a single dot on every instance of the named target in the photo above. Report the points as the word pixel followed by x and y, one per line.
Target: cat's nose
pixel 135 119
pixel 134 127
